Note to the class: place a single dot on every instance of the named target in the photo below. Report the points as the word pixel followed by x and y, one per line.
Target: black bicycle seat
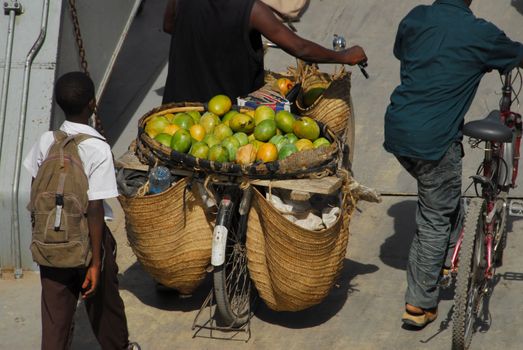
pixel 489 129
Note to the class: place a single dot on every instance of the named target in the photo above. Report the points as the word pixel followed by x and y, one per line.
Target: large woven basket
pixel 294 268
pixel 312 163
pixel 170 236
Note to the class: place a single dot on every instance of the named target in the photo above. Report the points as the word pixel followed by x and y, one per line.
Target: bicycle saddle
pixel 488 129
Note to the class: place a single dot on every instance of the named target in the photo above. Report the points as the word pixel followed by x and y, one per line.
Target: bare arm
pixel 263 20
pixel 95 221
pixel 168 17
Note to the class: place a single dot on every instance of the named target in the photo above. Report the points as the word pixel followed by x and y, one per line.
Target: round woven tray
pixel 317 162
pixel 170 236
pixel 294 268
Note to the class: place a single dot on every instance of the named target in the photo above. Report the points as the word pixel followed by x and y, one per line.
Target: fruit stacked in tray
pixel 255 142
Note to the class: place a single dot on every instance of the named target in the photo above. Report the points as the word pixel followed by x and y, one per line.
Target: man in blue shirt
pixel 444 52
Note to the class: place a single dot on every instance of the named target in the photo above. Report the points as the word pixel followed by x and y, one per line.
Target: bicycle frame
pixel 499 174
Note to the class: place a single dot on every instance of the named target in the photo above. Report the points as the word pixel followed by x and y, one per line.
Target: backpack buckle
pixel 59 201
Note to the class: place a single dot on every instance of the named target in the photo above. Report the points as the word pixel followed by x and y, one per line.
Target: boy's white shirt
pixel 96 158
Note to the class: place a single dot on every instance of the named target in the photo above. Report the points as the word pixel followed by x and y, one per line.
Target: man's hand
pixel 91 282
pixel 354 55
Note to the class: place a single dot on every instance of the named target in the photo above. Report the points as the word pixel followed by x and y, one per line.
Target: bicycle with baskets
pixel 479 249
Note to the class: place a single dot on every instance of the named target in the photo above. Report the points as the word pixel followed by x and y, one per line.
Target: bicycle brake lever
pixel 362 69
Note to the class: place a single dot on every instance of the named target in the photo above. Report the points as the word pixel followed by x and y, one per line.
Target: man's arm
pixel 168 17
pixel 263 20
pixel 95 221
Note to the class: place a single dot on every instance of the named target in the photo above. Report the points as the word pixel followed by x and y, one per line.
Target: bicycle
pixel 479 249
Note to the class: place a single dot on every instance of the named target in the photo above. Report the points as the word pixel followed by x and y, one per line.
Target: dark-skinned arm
pixel 263 20
pixel 168 17
pixel 95 222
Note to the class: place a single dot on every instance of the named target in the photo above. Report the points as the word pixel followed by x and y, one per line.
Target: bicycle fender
pixel 219 242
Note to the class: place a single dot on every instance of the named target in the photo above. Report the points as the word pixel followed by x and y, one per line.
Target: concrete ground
pixel 363 311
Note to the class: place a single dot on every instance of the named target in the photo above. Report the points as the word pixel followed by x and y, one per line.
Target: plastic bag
pixel 289 9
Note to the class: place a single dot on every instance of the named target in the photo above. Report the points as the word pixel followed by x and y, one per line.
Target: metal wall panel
pixel 104 25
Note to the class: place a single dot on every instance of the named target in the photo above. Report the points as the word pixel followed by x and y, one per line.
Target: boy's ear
pixel 92 105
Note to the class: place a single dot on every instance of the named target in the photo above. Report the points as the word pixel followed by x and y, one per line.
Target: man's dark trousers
pixel 438 220
pixel 60 291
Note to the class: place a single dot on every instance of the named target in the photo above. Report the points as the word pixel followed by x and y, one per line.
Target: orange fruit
pixel 220 104
pixel 322 141
pixel 181 141
pixel 171 129
pixel 303 144
pixel 197 132
pixel 164 139
pixel 183 119
pixel 155 126
pixel 263 113
pixel 306 128
pixel 284 85
pixel 284 121
pixel 287 150
pixel 265 130
pixel 267 152
pixel 246 154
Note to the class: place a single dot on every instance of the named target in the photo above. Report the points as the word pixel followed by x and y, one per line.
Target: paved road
pixel 364 310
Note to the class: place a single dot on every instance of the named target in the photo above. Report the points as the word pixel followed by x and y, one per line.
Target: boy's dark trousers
pixel 61 288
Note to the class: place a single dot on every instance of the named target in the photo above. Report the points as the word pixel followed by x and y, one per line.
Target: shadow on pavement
pixel 395 250
pixel 321 313
pixel 518 5
pixel 136 281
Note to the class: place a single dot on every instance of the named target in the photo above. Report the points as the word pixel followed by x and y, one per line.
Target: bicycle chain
pixel 83 61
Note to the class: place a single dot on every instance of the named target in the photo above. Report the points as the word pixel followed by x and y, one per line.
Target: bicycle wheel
pixel 471 275
pixel 232 283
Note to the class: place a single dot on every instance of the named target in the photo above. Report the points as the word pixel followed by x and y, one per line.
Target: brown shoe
pixel 418 317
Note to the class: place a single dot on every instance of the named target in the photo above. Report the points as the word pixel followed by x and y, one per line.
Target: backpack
pixel 59 206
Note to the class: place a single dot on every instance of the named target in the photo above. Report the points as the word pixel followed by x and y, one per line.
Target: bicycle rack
pixel 210 324
pixel 516 207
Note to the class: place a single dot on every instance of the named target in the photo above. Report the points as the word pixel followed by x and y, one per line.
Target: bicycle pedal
pixel 445 281
pixel 516 208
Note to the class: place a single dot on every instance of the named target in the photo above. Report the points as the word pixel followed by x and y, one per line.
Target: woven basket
pixel 313 163
pixel 170 235
pixel 334 106
pixel 294 268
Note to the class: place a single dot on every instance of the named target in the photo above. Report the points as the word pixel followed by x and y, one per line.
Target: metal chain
pixel 83 61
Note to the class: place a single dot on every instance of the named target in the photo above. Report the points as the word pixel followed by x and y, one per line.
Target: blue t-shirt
pixel 444 52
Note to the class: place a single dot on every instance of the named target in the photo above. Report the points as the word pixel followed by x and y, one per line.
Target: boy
pixel 97 283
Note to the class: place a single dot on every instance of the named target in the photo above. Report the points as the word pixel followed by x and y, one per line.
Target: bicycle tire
pixel 232 305
pixel 470 274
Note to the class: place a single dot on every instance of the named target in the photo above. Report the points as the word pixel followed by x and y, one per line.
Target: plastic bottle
pixel 159 179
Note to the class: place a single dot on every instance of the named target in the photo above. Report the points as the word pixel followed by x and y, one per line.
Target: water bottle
pixel 159 179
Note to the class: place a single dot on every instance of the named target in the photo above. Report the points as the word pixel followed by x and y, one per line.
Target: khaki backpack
pixel 59 206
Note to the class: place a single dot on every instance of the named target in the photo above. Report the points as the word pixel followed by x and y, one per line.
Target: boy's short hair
pixel 73 92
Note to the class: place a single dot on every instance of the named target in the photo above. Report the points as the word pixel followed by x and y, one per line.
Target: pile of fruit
pixel 225 135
